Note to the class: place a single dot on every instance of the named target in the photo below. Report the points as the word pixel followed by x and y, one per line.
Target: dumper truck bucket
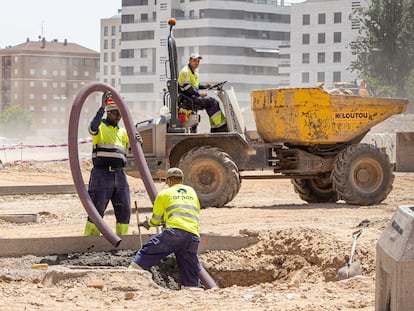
pixel 307 116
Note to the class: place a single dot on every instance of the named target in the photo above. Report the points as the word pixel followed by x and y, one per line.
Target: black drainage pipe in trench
pixel 139 157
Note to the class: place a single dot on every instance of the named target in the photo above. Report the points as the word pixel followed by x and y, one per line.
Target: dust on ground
pixel 292 267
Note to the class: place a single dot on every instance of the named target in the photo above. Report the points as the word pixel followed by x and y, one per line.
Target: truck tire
pixel 212 173
pixel 362 175
pixel 315 190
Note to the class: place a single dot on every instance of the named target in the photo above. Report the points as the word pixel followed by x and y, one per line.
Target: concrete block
pixel 395 263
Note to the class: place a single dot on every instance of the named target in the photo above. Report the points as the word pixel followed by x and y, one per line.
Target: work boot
pixel 134 266
pixel 220 129
pixel 121 229
pixel 91 229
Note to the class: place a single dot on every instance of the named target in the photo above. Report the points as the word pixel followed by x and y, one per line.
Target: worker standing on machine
pixel 108 180
pixel 190 86
pixel 178 207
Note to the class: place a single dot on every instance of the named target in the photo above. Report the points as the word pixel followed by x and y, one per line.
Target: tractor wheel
pixel 212 174
pixel 362 175
pixel 315 190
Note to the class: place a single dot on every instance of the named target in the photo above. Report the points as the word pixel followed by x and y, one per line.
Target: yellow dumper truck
pixel 306 134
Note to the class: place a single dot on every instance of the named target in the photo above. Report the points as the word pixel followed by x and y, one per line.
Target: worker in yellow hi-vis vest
pixel 178 208
pixel 190 86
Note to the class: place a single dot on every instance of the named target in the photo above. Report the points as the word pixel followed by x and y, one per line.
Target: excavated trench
pixel 289 256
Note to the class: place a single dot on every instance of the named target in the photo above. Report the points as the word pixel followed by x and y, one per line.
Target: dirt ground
pixel 292 267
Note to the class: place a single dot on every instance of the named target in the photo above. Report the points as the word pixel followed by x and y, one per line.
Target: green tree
pixel 384 48
pixel 15 121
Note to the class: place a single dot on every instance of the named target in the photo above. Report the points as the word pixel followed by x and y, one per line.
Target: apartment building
pixel 238 39
pixel 44 77
pixel 110 50
pixel 321 31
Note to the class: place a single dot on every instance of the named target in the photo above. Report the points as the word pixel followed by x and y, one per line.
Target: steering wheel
pixel 217 86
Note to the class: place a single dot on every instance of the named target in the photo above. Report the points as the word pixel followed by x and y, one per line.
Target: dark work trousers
pixel 105 185
pixel 208 103
pixel 182 243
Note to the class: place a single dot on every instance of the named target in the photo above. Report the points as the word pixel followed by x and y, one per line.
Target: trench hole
pixel 290 256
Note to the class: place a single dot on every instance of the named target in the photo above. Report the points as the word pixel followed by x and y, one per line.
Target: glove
pixel 105 97
pixel 144 224
pixel 138 138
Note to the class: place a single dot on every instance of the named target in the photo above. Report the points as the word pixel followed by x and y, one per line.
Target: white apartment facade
pixel 110 50
pixel 238 39
pixel 321 31
pixel 249 43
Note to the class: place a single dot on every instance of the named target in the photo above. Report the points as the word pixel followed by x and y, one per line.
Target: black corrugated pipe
pixel 139 157
pixel 74 155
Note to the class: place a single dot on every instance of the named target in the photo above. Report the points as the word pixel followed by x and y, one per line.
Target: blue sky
pixel 75 20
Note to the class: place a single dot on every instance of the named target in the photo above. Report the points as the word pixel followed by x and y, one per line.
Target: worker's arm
pixel 96 121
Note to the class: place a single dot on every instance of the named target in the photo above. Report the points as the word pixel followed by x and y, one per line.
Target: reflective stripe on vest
pixel 110 142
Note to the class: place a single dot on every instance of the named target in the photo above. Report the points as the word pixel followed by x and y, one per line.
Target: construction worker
pixel 178 208
pixel 190 86
pixel 108 180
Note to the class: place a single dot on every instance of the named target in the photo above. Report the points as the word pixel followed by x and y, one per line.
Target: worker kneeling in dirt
pixel 178 207
pixel 190 86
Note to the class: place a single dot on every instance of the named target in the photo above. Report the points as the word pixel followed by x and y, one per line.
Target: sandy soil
pixel 292 267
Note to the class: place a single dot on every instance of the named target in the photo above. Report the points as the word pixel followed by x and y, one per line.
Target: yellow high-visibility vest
pixel 178 207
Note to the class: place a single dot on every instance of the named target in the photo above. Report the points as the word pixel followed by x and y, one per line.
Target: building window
pixel 305 77
pixel 305 58
pixel 54 85
pixel 112 70
pixel 144 53
pixel 113 57
pixel 305 19
pixel 44 96
pixel 44 84
pixel 105 57
pixel 62 84
pixel 321 18
pixel 320 77
pixel 32 84
pixel 54 73
pixel 113 44
pixel 86 74
pixel 63 73
pixel 44 72
pixel 31 96
pixel 338 17
pixel 321 57
pixel 75 73
pixel 144 17
pixel 321 37
pixel 105 44
pixel 32 72
pixel 76 61
pixel 336 76
pixel 337 37
pixel 113 30
pixel 105 30
pixel 144 69
pixel 305 38
pixel 336 57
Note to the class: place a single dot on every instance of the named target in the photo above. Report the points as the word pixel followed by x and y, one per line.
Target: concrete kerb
pixel 80 244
